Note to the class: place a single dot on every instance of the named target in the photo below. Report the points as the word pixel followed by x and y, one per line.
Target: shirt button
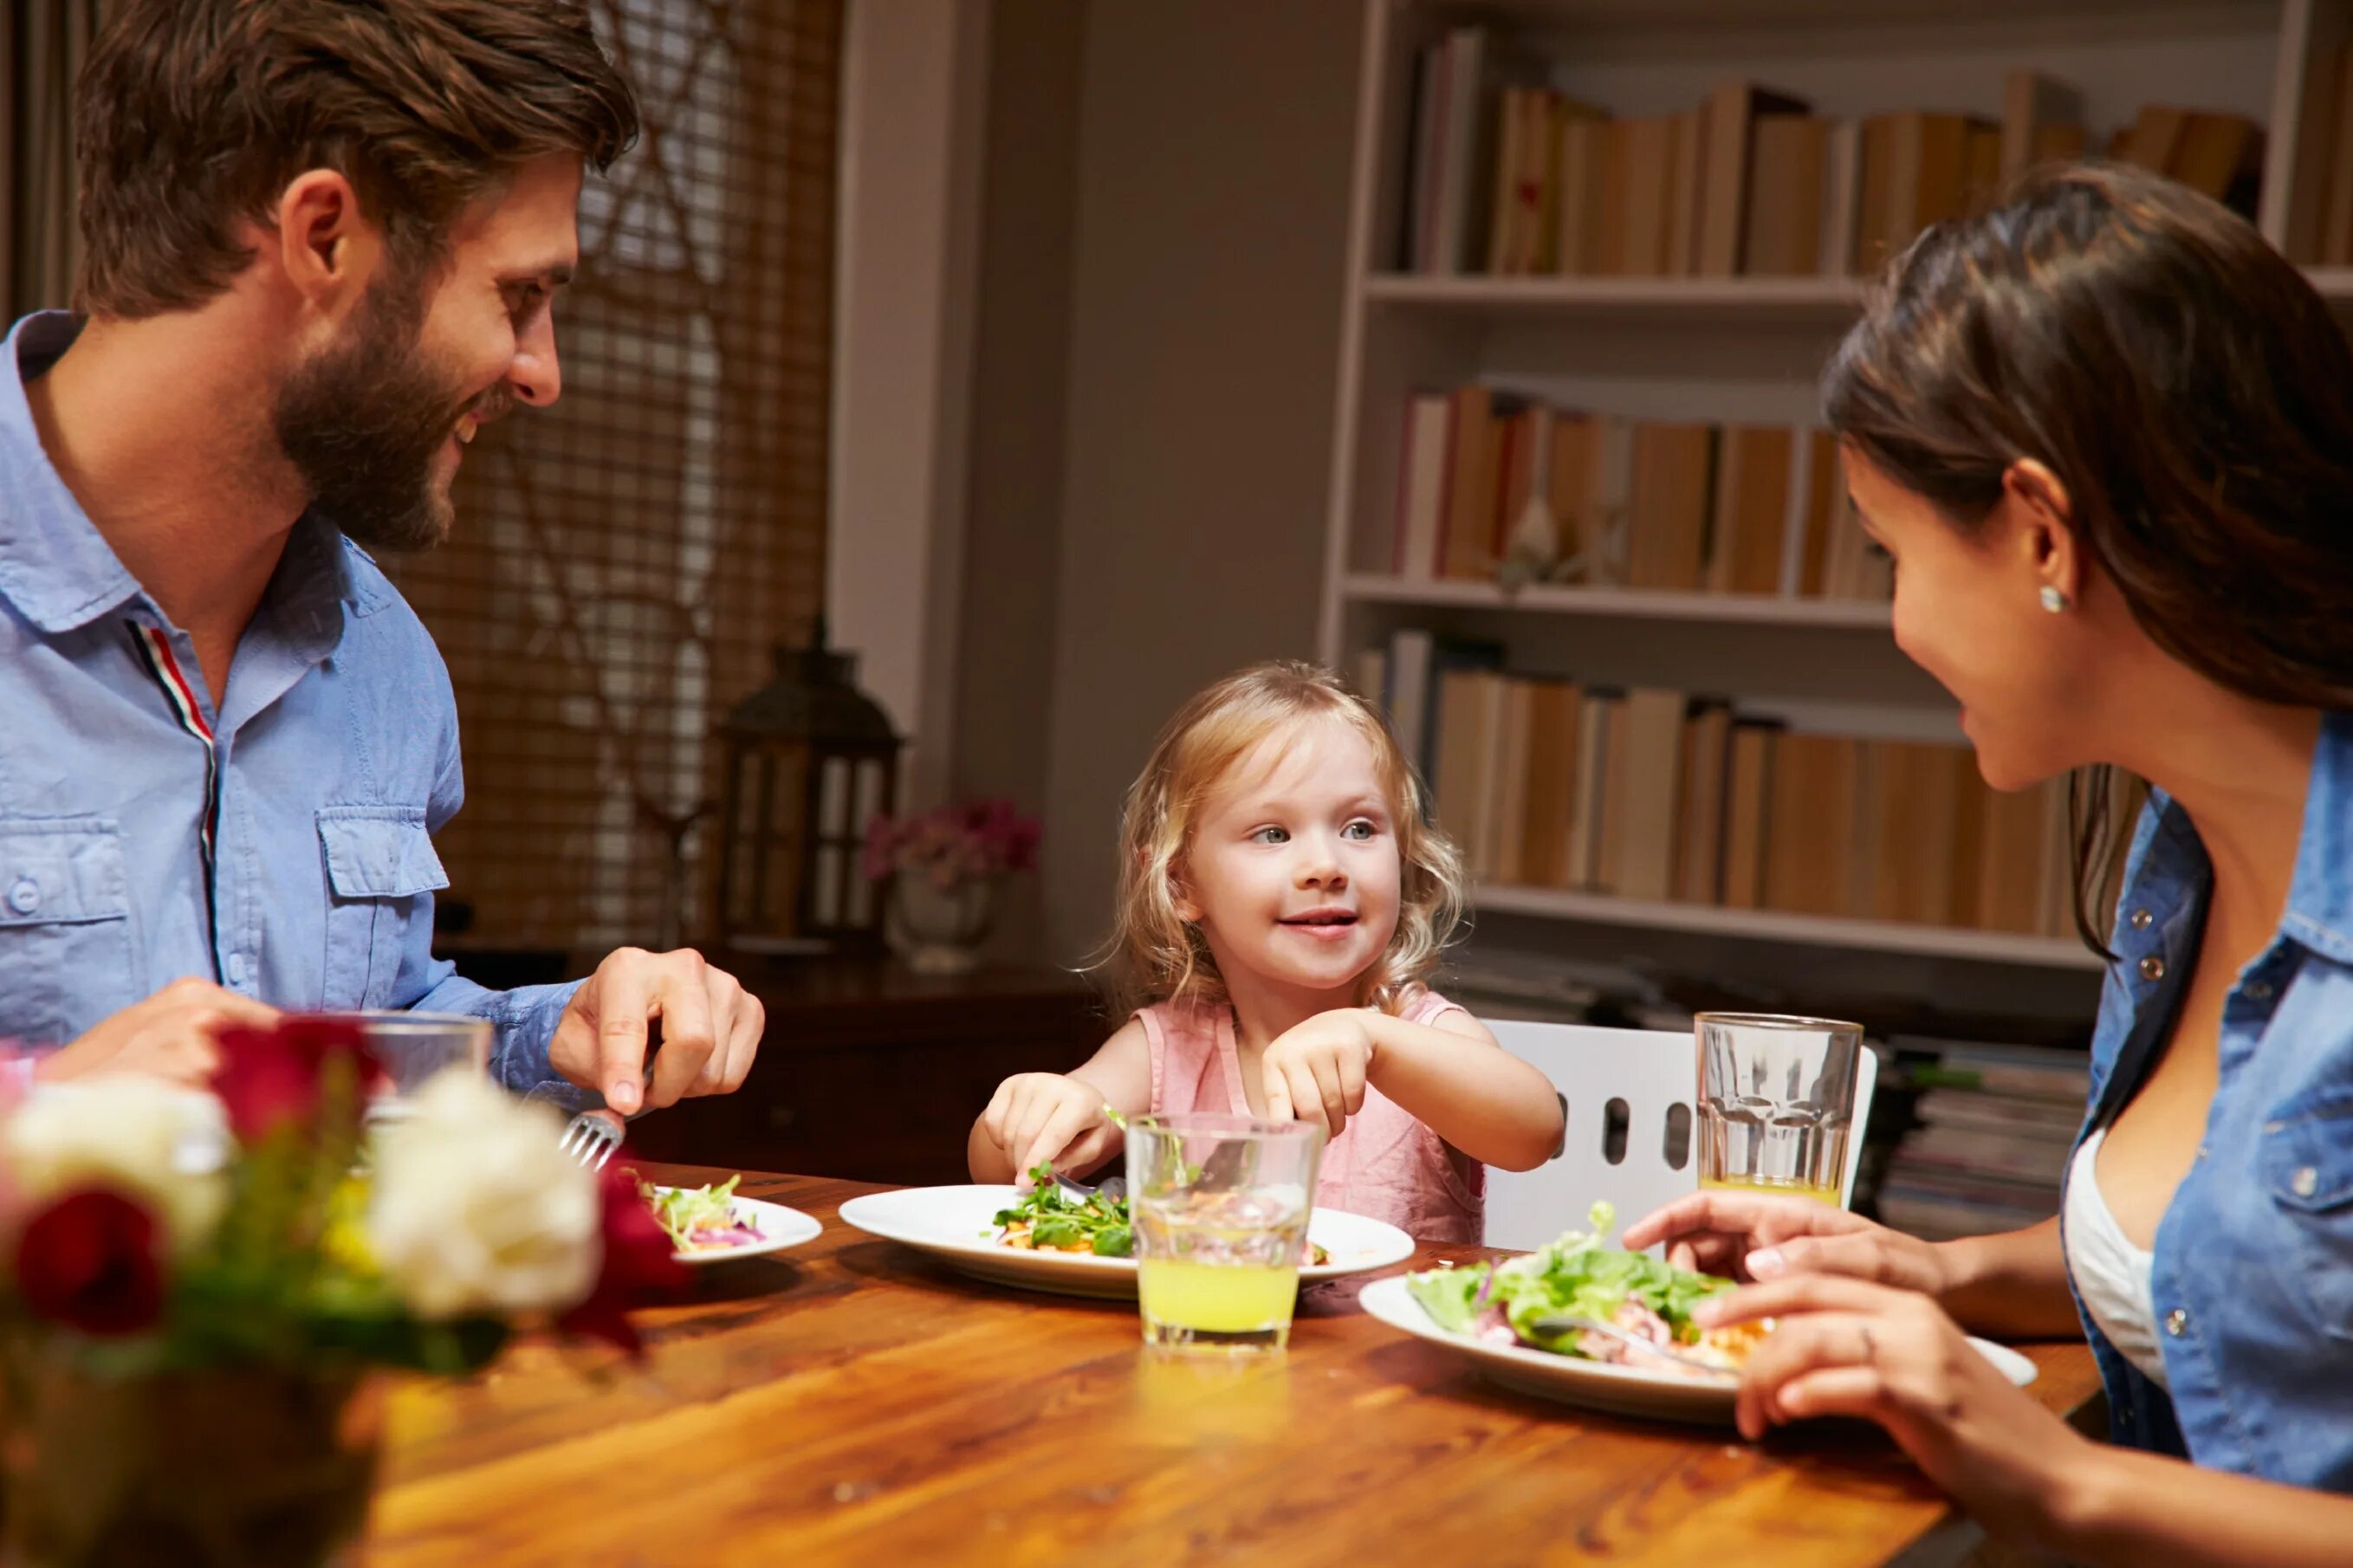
pixel 2176 1322
pixel 2141 919
pixel 236 969
pixel 25 895
pixel 2152 968
pixel 2306 1181
pixel 2259 991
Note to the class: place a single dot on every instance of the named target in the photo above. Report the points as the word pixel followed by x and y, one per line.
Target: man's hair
pixel 194 116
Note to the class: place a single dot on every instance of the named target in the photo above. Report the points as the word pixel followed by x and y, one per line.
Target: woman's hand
pixel 1047 1118
pixel 1759 1237
pixel 1314 1071
pixel 1847 1347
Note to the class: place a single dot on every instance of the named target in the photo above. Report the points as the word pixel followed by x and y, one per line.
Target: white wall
pixel 1214 153
pixel 914 79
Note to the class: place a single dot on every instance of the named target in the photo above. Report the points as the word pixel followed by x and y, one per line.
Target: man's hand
pixel 709 1029
pixel 169 1036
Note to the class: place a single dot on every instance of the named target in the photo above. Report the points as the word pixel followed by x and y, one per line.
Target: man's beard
pixel 362 422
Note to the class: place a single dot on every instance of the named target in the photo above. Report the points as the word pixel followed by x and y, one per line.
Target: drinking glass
pixel 1219 1206
pixel 412 1048
pixel 1776 1102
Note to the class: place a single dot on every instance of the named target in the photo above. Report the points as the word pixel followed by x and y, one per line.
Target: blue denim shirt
pixel 334 757
pixel 2254 1276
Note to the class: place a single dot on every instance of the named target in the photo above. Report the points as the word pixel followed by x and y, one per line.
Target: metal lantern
pixel 811 760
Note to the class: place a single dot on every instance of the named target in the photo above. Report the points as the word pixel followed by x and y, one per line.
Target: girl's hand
pixel 1846 1347
pixel 1757 1235
pixel 1314 1071
pixel 1038 1117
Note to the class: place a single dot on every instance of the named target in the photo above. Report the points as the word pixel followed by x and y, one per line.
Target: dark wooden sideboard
pixel 873 1073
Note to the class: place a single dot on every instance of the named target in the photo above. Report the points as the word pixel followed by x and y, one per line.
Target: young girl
pixel 1281 901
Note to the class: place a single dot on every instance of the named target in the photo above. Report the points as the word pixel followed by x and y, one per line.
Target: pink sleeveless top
pixel 1384 1164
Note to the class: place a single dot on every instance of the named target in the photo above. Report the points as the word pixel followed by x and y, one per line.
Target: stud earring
pixel 2053 600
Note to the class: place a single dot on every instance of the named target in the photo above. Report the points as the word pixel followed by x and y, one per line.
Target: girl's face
pixel 1968 611
pixel 1293 868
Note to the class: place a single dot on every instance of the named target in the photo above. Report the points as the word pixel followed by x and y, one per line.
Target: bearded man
pixel 322 246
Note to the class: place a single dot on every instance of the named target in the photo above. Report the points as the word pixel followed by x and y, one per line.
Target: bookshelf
pixel 1741 350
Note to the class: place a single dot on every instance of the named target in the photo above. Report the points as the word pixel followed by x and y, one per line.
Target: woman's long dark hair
pixel 2187 386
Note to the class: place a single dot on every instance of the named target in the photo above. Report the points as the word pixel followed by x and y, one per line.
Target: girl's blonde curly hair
pixel 1155 954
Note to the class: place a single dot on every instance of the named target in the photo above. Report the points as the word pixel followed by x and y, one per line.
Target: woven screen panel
pixel 624 562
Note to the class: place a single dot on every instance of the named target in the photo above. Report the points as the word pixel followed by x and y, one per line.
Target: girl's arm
pixel 1457 1081
pixel 1058 1117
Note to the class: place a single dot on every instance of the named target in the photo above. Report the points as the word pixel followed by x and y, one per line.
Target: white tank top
pixel 2111 1274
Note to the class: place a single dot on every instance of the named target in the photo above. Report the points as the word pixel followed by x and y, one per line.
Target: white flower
pixel 476 1209
pixel 161 1146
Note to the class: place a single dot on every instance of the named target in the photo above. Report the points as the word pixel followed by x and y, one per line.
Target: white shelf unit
pixel 1739 350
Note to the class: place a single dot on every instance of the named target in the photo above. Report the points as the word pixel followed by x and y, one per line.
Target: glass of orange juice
pixel 1776 1102
pixel 1219 1206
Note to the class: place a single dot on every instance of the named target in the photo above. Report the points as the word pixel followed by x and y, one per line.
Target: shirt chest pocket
pixel 2308 1168
pixel 66 954
pixel 382 873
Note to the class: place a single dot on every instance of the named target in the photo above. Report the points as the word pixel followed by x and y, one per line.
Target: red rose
pixel 639 1266
pixel 87 1260
pixel 269 1074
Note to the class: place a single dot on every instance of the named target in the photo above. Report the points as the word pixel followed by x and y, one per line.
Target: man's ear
pixel 328 249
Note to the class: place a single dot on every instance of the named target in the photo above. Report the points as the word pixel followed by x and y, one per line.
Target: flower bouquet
pixel 201 1293
pixel 944 866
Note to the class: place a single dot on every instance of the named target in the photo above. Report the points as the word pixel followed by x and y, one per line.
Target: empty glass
pixel 1776 1102
pixel 1220 1206
pixel 413 1046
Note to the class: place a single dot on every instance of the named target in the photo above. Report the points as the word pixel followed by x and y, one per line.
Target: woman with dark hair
pixel 2106 434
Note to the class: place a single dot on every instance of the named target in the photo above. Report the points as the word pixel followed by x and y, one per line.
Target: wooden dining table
pixel 851 1401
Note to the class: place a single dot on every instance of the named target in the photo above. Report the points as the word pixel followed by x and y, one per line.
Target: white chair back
pixel 1655 1074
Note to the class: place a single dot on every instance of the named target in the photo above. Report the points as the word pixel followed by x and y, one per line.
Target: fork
pixel 1112 1190
pixel 591 1137
pixel 1568 1323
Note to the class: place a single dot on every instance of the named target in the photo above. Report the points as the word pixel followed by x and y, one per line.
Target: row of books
pixel 1996 1125
pixel 1632 503
pixel 1654 795
pixel 1514 178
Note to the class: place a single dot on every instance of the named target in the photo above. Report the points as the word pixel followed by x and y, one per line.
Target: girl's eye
pixel 1272 836
pixel 1359 830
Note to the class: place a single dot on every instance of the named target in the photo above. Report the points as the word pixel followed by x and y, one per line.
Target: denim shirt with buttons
pixel 333 759
pixel 2253 1259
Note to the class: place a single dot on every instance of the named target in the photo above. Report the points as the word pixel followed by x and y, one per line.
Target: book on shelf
pixel 1649 505
pixel 1656 796
pixel 1504 173
pixel 1995 1128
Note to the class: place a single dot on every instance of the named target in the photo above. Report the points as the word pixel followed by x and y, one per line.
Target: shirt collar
pixel 2320 898
pixel 57 569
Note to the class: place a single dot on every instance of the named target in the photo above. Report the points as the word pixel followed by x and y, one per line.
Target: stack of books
pixel 1997 1124
pixel 1658 794
pixel 1677 507
pixel 1511 177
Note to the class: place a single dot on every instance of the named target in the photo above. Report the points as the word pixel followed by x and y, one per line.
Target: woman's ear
pixel 2043 519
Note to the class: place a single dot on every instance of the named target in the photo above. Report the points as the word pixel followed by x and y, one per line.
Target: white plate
pixel 958 1226
pixel 780 1227
pixel 1622 1390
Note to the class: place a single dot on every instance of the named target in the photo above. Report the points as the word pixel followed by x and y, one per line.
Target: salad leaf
pixel 1058 1220
pixel 1450 1294
pixel 681 1213
pixel 1579 1274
